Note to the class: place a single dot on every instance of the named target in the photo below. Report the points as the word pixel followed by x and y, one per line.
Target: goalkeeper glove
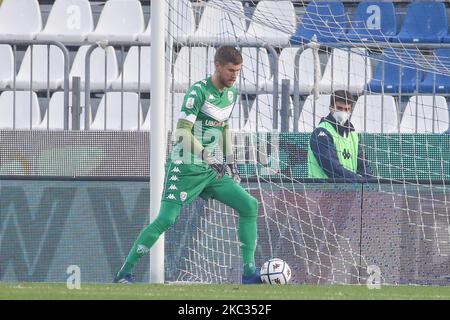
pixel 232 169
pixel 214 164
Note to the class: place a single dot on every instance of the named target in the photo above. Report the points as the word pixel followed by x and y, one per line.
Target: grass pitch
pixel 56 291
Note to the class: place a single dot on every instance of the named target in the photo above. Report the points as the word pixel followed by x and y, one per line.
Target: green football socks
pixel 166 218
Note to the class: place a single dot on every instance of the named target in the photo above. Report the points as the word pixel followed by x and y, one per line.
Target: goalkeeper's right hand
pixel 214 164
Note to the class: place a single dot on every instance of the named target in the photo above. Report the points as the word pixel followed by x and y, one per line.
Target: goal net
pixel 394 227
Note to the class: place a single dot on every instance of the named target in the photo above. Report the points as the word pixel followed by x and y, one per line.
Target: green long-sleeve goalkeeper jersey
pixel 208 110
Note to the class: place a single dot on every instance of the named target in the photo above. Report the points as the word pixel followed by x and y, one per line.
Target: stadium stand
pixel 255 72
pixel 191 65
pixel 120 20
pixel 425 114
pixel 121 112
pixel 379 116
pixel 63 26
pixel 19 110
pixel 434 81
pixel 286 69
pixel 45 65
pixel 7 66
pixel 327 20
pixel 97 64
pixel 182 14
pixel 273 22
pixel 216 25
pixel 176 101
pixel 135 71
pixel 389 70
pixel 372 21
pixel 310 116
pixel 14 14
pixel 174 108
pixel 346 70
pixel 261 110
pixel 54 116
pixel 237 120
pixel 424 22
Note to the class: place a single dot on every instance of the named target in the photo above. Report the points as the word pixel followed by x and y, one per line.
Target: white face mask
pixel 341 117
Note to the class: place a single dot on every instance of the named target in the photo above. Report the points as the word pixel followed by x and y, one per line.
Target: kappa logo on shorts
pixel 176 170
pixel 178 162
pixel 171 197
pixel 183 196
pixel 174 178
pixel 173 187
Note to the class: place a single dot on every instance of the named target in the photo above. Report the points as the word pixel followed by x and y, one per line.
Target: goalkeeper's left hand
pixel 233 171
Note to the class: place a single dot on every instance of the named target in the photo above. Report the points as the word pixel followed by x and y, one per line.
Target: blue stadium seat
pixel 424 22
pixel 373 21
pixel 442 81
pixel 393 61
pixel 327 20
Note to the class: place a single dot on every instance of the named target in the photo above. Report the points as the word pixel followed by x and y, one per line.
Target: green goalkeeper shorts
pixel 183 183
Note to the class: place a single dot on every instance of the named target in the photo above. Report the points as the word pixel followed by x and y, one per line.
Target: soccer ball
pixel 275 271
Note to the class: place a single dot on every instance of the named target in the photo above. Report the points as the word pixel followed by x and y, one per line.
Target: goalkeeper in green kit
pixel 192 171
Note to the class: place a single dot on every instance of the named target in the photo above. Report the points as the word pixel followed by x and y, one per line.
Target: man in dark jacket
pixel 334 149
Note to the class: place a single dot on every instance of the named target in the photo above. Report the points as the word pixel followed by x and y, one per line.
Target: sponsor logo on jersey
pixel 183 196
pixel 322 134
pixel 346 154
pixel 230 96
pixel 213 123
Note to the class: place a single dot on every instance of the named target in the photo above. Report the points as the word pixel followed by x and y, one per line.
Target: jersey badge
pixel 230 96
